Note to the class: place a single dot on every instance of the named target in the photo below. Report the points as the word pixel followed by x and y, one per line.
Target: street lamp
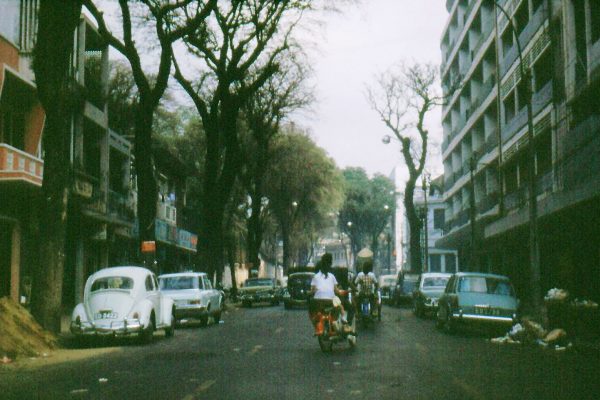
pixel 534 253
pixel 425 225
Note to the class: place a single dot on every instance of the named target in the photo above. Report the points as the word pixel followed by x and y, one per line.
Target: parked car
pixel 122 301
pixel 425 297
pixel 387 284
pixel 193 295
pixel 298 289
pixel 260 290
pixel 477 297
pixel 405 285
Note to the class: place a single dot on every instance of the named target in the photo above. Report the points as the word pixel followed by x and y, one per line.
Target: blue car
pixel 473 297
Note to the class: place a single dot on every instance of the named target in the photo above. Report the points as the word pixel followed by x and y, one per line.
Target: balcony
pixel 166 212
pixel 17 165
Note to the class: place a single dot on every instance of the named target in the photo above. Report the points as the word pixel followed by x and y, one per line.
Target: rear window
pixel 112 282
pixel 304 280
pixel 479 284
pixel 179 283
pixel 408 286
pixel 435 282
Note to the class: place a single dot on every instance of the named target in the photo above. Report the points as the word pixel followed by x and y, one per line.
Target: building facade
pixel 486 144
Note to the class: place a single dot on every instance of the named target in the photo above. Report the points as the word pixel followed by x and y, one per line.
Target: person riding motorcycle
pixel 366 285
pixel 324 288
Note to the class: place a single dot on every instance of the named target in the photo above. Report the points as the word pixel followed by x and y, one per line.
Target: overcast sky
pixel 354 46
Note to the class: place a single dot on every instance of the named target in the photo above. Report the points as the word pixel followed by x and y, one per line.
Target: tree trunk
pixel 414 223
pixel 144 167
pixel 287 257
pixel 255 231
pixel 52 55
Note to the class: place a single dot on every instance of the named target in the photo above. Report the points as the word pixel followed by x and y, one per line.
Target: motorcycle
pixel 331 329
pixel 365 313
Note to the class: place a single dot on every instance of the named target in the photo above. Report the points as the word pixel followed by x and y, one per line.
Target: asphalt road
pixel 269 353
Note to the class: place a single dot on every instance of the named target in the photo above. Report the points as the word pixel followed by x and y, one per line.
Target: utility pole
pixel 534 252
pixel 472 213
pixel 425 226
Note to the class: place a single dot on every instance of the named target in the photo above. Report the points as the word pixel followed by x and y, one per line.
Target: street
pixel 269 353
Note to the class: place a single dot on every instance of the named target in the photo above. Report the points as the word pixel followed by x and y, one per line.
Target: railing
pixel 487 203
pixel 516 199
pixel 17 165
pixel 539 100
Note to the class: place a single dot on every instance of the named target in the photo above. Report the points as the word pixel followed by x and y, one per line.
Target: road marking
pixel 202 388
pixel 355 392
pixel 78 391
pixel 237 349
pixel 255 349
pixel 468 389
pixel 279 330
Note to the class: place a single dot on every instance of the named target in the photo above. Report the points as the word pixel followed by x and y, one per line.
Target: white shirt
pixel 324 286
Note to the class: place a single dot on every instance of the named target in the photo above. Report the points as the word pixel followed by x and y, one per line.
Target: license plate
pixel 106 315
pixel 483 310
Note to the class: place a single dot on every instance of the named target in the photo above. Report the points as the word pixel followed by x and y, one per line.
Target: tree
pixel 368 204
pixel 241 49
pixel 59 97
pixel 402 98
pixel 171 21
pixel 263 113
pixel 303 186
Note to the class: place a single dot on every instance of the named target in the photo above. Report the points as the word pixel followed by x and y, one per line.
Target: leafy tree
pixel 170 21
pixel 368 205
pixel 59 97
pixel 263 113
pixel 303 186
pixel 241 49
pixel 402 98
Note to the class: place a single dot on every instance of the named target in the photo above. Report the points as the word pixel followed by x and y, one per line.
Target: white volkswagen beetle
pixel 120 301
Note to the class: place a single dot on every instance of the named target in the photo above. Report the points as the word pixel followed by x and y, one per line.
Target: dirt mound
pixel 20 334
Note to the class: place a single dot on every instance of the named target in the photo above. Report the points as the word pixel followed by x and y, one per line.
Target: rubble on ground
pixel 532 333
pixel 20 334
pixel 556 294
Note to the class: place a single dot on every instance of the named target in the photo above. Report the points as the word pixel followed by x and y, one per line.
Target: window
pixel 542 71
pixel 521 17
pixel 149 284
pixel 10 19
pixel 509 107
pixel 438 218
pixel 435 262
pixel 507 41
pixel 544 154
pixel 595 20
pixel 450 263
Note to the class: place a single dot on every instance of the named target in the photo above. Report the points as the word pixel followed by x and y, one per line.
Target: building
pixel 21 165
pixel 485 146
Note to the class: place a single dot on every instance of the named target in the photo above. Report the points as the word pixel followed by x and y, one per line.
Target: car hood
pixel 492 300
pixel 433 293
pixel 112 301
pixel 181 294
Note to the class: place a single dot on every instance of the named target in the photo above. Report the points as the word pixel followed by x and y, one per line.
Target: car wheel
pixel 170 331
pixel 449 327
pixel 439 320
pixel 148 334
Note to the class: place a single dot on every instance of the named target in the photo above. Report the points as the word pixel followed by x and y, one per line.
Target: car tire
pixel 439 322
pixel 449 325
pixel 170 331
pixel 148 333
pixel 417 309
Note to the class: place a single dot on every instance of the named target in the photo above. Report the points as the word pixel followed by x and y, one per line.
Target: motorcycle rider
pixel 324 288
pixel 366 284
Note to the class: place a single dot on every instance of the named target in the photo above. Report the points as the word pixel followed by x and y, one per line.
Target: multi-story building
pixel 485 146
pixel 429 204
pixel 21 165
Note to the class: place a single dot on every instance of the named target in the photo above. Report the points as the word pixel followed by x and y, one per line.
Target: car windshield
pixel 258 282
pixel 435 282
pixel 300 281
pixel 179 283
pixel 112 282
pixel 408 286
pixel 480 284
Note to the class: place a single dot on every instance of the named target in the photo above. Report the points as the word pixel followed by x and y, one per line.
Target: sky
pixel 354 46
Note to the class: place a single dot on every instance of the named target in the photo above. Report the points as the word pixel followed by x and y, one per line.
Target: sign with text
pixel 148 246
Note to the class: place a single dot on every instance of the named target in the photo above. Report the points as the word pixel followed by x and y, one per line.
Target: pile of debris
pixel 530 332
pixel 20 334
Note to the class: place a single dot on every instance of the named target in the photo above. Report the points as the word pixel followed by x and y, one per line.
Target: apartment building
pixel 21 165
pixel 485 146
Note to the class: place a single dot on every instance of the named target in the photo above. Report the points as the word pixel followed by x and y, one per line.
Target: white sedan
pixel 193 295
pixel 120 301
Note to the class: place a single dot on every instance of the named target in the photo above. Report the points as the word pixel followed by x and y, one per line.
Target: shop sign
pixel 187 240
pixel 148 246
